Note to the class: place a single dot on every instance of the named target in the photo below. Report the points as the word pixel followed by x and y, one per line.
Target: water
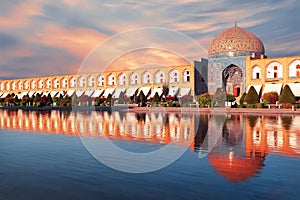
pixel 254 157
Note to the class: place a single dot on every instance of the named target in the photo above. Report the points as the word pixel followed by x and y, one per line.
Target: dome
pixel 235 41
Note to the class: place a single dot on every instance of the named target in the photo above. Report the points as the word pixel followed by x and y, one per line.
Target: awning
pixel 79 93
pixel 256 87
pixel 295 87
pixel 45 94
pixel 118 92
pixel 173 91
pixel 60 93
pixel 130 92
pixel 38 92
pixel 145 90
pixel 19 96
pixel 70 92
pixel 4 95
pixel 272 88
pixel 53 93
pixel 88 92
pixel 184 91
pixel 158 90
pixel 108 91
pixel 30 94
pixel 97 93
pixel 1 93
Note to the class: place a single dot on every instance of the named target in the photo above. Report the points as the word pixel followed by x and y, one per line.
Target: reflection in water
pixel 238 154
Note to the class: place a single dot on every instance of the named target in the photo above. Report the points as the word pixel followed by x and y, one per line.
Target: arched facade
pixel 294 69
pixel 134 78
pixel 274 70
pixel 159 77
pixel 147 77
pixel 122 79
pixel 256 72
pixel 174 76
pixel 111 80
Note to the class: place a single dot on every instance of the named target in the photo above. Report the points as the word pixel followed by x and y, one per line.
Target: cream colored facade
pixel 272 74
pixel 180 78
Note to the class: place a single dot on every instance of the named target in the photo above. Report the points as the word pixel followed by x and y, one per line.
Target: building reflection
pixel 240 146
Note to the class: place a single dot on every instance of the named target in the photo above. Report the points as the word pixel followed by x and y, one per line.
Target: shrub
pixel 156 100
pixel 204 100
pixel 252 96
pixel 242 99
pixel 287 95
pixel 219 97
pixel 270 97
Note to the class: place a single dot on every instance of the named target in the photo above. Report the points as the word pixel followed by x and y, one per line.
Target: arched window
pixel 294 69
pixel 20 85
pixel 55 83
pixel 100 80
pixel 48 83
pixel 134 78
pixel 122 79
pixel 40 84
pixel 26 85
pixel 174 76
pixel 7 86
pixel 111 80
pixel 64 83
pixel 186 76
pixel 73 82
pixel 13 85
pixel 256 73
pixel 159 77
pixel 274 70
pixel 81 81
pixel 147 78
pixel 91 81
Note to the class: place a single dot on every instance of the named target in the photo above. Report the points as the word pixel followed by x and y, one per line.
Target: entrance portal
pixel 233 79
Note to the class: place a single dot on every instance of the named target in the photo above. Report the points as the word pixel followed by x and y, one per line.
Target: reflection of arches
pixel 232 79
pixel 232 131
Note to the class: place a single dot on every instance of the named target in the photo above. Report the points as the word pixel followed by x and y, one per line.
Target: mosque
pixel 236 61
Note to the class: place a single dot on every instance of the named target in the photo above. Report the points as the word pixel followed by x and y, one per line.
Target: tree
pixel 219 97
pixel 242 99
pixel 230 97
pixel 156 100
pixel 204 100
pixel 121 99
pixel 287 95
pixel 108 100
pixel 142 99
pixel 37 99
pixel 49 100
pixel 252 96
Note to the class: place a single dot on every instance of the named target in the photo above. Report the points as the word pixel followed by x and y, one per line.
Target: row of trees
pixel 217 99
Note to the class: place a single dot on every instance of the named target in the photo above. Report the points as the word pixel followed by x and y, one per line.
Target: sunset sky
pixel 51 37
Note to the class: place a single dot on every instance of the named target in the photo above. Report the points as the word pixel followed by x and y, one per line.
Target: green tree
pixel 204 100
pixel 142 99
pixel 108 100
pixel 156 100
pixel 230 97
pixel 242 99
pixel 252 96
pixel 287 95
pixel 121 99
pixel 219 97
pixel 37 99
pixel 49 100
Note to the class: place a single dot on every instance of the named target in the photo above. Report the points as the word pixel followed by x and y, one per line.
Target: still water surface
pixel 254 157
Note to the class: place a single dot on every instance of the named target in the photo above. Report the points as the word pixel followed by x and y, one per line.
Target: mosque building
pixel 236 61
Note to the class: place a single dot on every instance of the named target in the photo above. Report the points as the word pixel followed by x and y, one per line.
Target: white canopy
pixel 173 91
pixel 79 93
pixel 30 94
pixel 108 91
pixel 97 93
pixel 130 92
pixel 53 93
pixel 158 90
pixel 295 87
pixel 60 93
pixel 145 90
pixel 88 92
pixel 45 93
pixel 184 91
pixel 272 88
pixel 118 92
pixel 4 95
pixel 256 87
pixel 70 92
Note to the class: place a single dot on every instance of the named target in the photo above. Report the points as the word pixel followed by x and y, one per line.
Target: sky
pixel 54 37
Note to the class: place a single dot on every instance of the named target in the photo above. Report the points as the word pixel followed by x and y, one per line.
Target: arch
pixel 73 82
pixel 294 68
pixel 81 81
pixel 186 75
pixel 13 85
pixel 159 77
pixel 274 70
pixel 56 83
pixel 7 86
pixel 64 82
pixel 146 77
pixel 100 80
pixel 133 78
pixel 174 76
pixel 26 85
pixel 122 79
pixel 256 72
pixel 40 84
pixel 232 79
pixel 33 84
pixel 90 81
pixel 20 85
pixel 48 83
pixel 111 80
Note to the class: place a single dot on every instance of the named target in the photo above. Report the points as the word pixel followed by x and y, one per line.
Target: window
pixel 146 78
pixel 159 77
pixel 186 76
pixel 256 72
pixel 133 78
pixel 257 75
pixel 111 80
pixel 174 76
pixel 274 70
